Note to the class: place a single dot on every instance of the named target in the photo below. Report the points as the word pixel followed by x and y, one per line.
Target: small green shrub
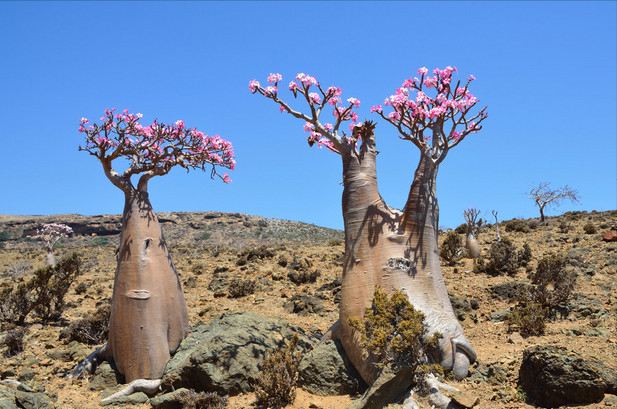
pixel 335 242
pixel 517 225
pixel 5 235
pixel 524 255
pixel 589 228
pixel 451 249
pixel 44 293
pixel 241 288
pixel 502 259
pixel 276 385
pixel 205 236
pixel 100 241
pixel 14 341
pixel 190 399
pixel 529 319
pixel 553 283
pixel 392 331
pixel 303 276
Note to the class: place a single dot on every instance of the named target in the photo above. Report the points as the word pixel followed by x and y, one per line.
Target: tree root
pixel 89 365
pixel 148 386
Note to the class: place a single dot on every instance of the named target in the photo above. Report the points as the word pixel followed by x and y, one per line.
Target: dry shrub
pixel 241 288
pixel 44 293
pixel 451 249
pixel 524 255
pixel 303 276
pixel 254 253
pixel 14 341
pixel 589 228
pixel 190 399
pixel 517 225
pixel 502 259
pixel 276 384
pixel 553 283
pixel 92 329
pixel 529 319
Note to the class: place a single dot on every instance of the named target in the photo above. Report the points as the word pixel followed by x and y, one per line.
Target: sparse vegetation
pixel 92 329
pixel 529 319
pixel 303 276
pixel 276 385
pixel 44 293
pixel 553 283
pixel 14 341
pixel 239 287
pixel 451 249
pixel 189 399
pixel 392 331
pixel 589 228
pixel 502 259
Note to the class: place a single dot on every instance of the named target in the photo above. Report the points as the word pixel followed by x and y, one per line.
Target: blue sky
pixel 546 70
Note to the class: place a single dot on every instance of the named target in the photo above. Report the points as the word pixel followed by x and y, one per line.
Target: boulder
pixel 387 388
pixel 327 371
pixel 611 235
pixel 224 356
pixel 553 376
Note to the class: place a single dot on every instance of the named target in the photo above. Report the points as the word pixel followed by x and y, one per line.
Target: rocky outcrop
pixel 554 376
pixel 224 355
pixel 327 371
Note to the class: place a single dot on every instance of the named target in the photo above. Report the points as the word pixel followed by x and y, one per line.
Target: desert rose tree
pixel 148 312
pixel 50 233
pixel 385 247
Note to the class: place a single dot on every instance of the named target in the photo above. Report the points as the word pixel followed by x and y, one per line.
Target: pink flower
pixel 314 97
pixel 308 127
pixel 84 120
pixel 328 127
pixel 455 135
pixel 274 78
pixel 377 108
pixel 180 124
pixel 270 91
pixel 293 85
pixel 409 83
pixel 471 78
pixel 355 102
pixel 422 71
pixel 282 109
pixel 306 80
pixel 430 82
pixel 253 86
pixel 226 178
pixel 394 116
pixel 334 91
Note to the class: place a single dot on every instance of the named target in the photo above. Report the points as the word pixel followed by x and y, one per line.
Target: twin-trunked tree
pixel 385 247
pixel 148 311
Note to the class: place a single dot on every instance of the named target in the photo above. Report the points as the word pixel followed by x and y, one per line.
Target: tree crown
pixel 447 115
pixel 153 150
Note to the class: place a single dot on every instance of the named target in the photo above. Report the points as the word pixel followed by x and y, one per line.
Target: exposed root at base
pixel 148 386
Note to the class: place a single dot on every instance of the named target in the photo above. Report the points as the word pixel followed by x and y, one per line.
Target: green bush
pixel 4 235
pixel 517 225
pixel 553 283
pixel 524 255
pixel 100 241
pixel 44 293
pixel 451 249
pixel 392 331
pixel 276 385
pixel 189 399
pixel 529 319
pixel 502 259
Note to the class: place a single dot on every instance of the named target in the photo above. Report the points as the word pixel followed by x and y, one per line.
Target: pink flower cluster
pixel 422 110
pixel 157 145
pixel 52 232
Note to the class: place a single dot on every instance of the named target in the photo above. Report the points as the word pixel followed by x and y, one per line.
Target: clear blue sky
pixel 546 70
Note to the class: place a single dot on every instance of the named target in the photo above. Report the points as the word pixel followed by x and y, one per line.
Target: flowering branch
pixel 448 115
pixel 52 232
pixel 152 150
pixel 324 134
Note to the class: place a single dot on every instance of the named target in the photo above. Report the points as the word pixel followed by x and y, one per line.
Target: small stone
pixel 465 399
pixel 515 338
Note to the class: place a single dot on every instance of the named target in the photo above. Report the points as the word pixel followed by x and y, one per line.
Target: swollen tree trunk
pixel 395 250
pixel 148 312
pixel 50 259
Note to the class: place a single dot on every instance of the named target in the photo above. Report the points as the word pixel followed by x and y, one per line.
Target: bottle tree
pixel 50 233
pixel 148 311
pixel 386 247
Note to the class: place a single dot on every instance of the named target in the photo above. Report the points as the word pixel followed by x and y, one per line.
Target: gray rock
pixel 500 316
pixel 104 377
pixel 461 306
pixel 303 304
pixel 7 397
pixel 224 356
pixel 167 401
pixel 33 400
pixel 554 376
pixel 327 371
pixel 387 388
pixel 494 373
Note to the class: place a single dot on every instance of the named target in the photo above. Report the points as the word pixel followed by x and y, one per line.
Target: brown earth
pixel 201 242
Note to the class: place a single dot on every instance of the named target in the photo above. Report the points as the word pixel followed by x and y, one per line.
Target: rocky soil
pixel 288 270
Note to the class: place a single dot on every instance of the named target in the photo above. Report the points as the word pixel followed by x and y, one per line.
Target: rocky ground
pixel 288 270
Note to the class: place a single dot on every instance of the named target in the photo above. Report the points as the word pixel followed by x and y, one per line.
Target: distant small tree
pixel 544 196
pixel 473 224
pixel 496 225
pixel 50 233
